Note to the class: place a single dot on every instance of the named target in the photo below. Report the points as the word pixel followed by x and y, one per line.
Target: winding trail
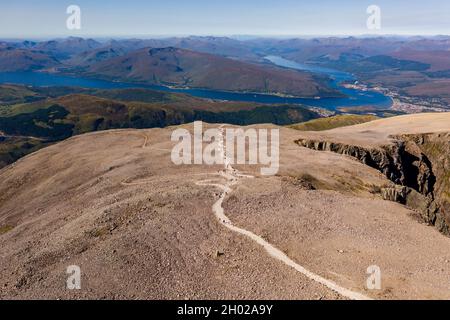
pixel 232 177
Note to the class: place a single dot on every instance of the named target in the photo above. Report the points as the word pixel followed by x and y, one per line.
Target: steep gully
pixel 407 163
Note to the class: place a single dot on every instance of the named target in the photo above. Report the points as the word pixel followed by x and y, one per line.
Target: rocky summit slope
pixel 141 227
pixel 418 163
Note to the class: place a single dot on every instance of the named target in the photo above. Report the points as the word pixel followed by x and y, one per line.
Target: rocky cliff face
pixel 419 165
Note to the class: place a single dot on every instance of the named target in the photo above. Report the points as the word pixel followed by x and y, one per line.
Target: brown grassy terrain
pixel 438 59
pixel 333 122
pixel 436 88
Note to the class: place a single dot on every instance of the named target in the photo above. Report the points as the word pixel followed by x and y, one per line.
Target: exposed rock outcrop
pixel 419 165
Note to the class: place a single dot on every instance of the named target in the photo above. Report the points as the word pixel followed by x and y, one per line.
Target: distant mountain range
pixel 417 68
pixel 186 68
pixel 170 66
pixel 18 59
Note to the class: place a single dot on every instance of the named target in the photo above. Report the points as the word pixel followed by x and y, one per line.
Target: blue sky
pixel 47 18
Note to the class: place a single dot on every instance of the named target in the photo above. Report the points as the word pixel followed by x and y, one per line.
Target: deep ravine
pixel 419 165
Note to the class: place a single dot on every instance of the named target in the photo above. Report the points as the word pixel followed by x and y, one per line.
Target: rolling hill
pixel 90 57
pixel 14 59
pixel 185 68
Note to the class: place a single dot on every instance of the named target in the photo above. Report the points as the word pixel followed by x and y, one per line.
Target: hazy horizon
pixel 236 37
pixel 285 18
